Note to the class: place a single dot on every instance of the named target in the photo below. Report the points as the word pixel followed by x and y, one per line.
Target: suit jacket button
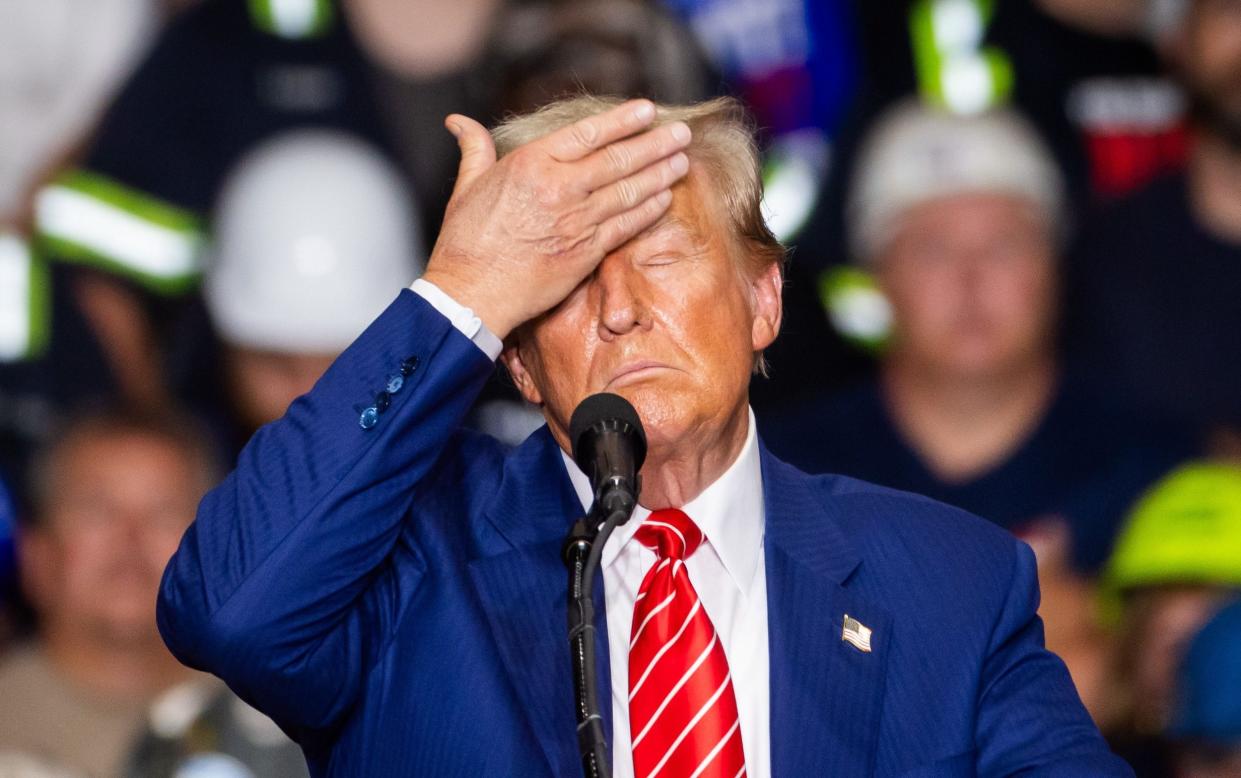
pixel 369 418
pixel 409 366
pixel 395 382
pixel 382 401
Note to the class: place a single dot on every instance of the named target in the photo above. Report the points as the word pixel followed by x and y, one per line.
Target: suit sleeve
pixel 1030 719
pixel 284 585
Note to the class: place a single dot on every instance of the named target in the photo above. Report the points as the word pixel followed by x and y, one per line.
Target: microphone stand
pixel 582 550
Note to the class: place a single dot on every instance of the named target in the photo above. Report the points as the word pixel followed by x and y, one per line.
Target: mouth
pixel 635 371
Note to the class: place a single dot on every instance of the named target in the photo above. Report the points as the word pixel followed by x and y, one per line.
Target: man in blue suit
pixel 389 587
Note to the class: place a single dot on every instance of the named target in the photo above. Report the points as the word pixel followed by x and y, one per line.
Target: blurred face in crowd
pixel 116 508
pixel 263 383
pixel 1209 57
pixel 972 283
pixel 670 321
pixel 1160 624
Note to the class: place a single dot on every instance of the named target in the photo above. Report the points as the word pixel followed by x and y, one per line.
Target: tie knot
pixel 670 533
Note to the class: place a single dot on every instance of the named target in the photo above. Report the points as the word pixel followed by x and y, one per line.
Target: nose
pixel 621 295
pixel 972 269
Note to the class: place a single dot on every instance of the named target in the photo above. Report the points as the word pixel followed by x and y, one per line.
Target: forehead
pixel 993 212
pixel 695 212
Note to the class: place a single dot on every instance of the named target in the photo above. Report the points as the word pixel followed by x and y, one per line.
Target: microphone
pixel 609 446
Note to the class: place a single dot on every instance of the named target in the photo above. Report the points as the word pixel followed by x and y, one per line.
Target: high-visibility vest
pixel 25 297
pixel 91 219
pixel 955 70
pixel 292 19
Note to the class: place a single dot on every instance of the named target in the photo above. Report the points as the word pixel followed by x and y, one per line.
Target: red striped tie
pixel 682 710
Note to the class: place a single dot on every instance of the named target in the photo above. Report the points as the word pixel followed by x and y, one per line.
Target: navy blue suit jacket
pixel 394 598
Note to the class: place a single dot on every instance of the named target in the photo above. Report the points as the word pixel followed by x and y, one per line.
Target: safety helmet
pixel 1185 530
pixel 916 153
pixel 314 235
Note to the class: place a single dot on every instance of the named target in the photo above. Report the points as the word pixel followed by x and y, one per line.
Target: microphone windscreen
pixel 601 407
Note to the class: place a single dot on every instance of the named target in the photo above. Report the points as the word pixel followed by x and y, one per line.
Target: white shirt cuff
pixel 461 317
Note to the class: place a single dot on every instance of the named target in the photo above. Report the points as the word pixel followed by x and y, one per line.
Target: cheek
pixel 1023 296
pixel 922 298
pixel 557 358
pixel 719 330
pixel 83 564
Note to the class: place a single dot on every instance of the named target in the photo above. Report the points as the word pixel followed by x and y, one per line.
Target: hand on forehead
pixel 522 232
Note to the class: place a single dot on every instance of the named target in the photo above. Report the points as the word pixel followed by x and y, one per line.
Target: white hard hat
pixel 314 235
pixel 916 153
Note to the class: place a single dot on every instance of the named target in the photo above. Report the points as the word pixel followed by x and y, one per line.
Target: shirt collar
pixel 729 512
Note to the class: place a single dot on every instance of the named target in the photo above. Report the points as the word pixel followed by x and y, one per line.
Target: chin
pixel 668 413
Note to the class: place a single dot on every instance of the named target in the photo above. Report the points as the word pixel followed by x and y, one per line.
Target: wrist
pixel 476 297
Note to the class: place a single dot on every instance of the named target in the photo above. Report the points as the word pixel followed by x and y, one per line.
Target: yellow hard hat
pixel 1185 530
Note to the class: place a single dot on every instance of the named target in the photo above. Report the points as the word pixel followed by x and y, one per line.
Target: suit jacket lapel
pixel 826 694
pixel 522 585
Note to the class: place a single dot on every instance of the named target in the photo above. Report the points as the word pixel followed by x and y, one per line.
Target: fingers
pixel 594 132
pixel 618 160
pixel 478 152
pixel 629 192
pixel 623 226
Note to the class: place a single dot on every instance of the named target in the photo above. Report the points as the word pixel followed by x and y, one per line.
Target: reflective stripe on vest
pixel 24 300
pixel 859 311
pixel 292 19
pixel 955 71
pixel 88 218
pixel 793 177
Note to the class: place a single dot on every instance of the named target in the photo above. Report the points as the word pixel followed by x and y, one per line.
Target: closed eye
pixel 660 260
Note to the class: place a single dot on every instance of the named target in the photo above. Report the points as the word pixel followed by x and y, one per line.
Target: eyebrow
pixel 666 223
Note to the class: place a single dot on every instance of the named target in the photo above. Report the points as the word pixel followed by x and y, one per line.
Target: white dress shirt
pixel 729 574
pixel 727 571
pixel 461 317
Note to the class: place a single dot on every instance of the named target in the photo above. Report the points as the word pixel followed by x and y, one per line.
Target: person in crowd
pixel 1206 719
pixel 961 220
pixel 111 497
pixel 1084 73
pixel 1156 278
pixel 127 222
pixel 112 494
pixel 1177 562
pixel 311 232
pixel 60 63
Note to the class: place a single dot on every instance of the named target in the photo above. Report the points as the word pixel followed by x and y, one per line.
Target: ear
pixel 515 362
pixel 766 290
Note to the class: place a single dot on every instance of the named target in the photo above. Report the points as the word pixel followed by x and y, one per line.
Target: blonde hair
pixel 723 146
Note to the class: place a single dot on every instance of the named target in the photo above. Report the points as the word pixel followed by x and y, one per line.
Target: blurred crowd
pixel 1014 285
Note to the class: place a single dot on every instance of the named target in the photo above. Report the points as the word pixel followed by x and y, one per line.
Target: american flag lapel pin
pixel 856 634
